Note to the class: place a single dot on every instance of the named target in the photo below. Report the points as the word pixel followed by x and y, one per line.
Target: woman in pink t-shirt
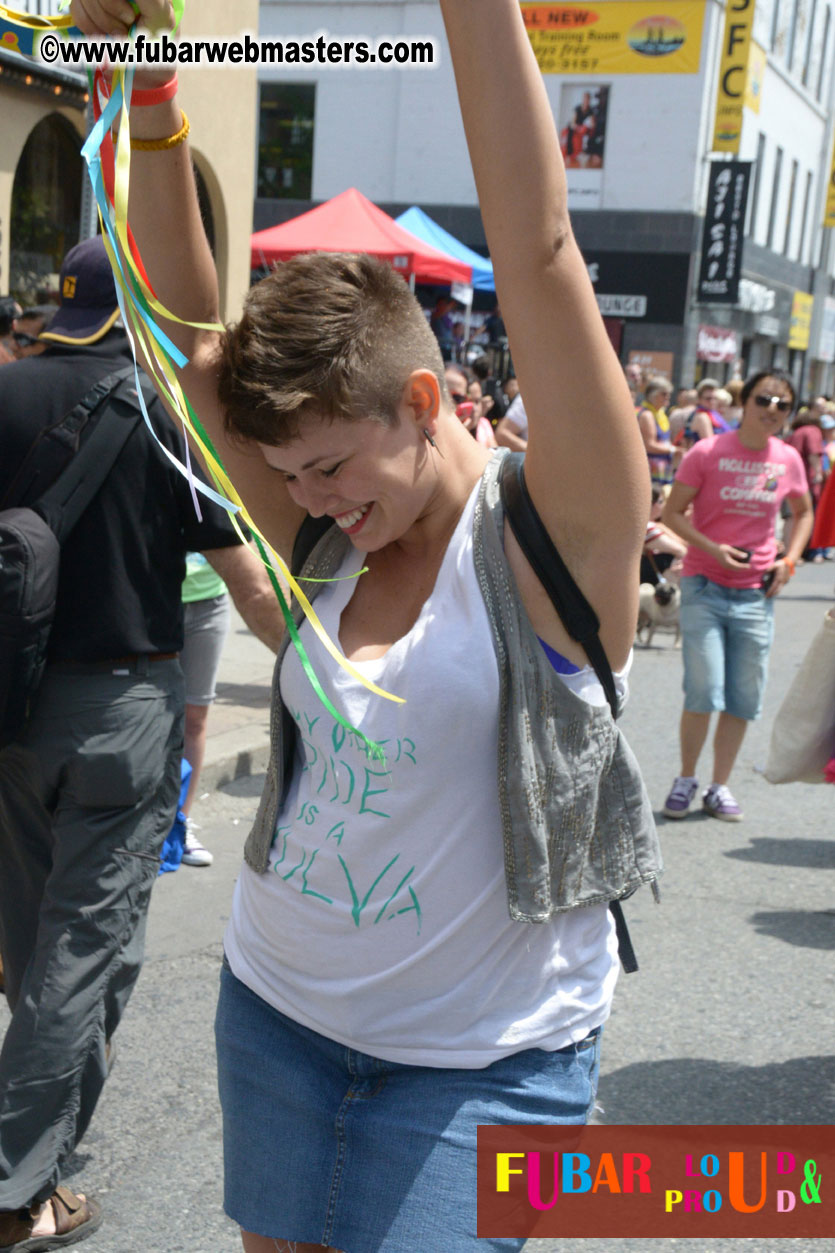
pixel 724 504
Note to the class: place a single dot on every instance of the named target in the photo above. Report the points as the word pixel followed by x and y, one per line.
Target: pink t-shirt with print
pixel 739 491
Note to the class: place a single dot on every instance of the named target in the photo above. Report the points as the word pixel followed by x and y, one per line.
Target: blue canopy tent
pixel 420 224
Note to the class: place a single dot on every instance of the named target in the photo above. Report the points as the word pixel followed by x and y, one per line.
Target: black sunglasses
pixel 24 340
pixel 458 397
pixel 765 402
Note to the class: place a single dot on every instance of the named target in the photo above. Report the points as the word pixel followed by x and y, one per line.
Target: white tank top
pixel 382 920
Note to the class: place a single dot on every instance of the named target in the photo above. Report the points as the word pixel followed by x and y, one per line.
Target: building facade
pixel 638 133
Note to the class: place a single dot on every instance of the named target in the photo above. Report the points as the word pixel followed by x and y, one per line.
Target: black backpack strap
pixel 310 532
pixel 54 447
pixel 626 950
pixel 104 427
pixel 576 614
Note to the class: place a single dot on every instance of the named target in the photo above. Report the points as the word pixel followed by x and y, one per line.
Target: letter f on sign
pixel 504 1170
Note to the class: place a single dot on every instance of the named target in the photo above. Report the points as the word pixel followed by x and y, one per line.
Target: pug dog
pixel 658 609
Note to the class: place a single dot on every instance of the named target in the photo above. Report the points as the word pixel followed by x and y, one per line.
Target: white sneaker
pixel 194 854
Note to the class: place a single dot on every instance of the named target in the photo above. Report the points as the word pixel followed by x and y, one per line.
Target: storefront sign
pixel 733 74
pixel 826 342
pixel 768 326
pixel 801 323
pixel 722 236
pixel 660 363
pixel 622 306
pixel 651 286
pixel 756 297
pixel 716 343
pixel 616 37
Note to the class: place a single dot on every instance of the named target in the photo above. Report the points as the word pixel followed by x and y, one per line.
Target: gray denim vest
pixel 577 825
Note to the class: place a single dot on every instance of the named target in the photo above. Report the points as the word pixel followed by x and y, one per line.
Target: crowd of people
pixel 471 982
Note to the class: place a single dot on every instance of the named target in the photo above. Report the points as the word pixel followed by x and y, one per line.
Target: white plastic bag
pixel 803 735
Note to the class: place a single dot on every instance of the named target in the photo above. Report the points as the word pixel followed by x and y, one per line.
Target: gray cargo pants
pixel 87 796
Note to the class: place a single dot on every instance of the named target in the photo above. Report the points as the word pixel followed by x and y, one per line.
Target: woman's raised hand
pixel 114 18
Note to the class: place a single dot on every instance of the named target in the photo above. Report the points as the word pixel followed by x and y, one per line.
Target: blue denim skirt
pixel 327 1145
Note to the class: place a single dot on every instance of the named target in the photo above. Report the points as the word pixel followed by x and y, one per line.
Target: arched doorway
pixel 46 206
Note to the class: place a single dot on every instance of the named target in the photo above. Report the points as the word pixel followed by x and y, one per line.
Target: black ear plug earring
pixel 432 442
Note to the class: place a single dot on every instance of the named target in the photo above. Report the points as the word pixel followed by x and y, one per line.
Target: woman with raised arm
pixel 419 943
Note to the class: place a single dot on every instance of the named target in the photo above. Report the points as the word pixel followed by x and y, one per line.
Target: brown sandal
pixel 74 1220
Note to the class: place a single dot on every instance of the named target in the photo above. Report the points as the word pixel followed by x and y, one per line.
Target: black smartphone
pixel 747 552
pixel 768 579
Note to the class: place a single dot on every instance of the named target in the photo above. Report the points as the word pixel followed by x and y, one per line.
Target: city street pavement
pixel 730 1019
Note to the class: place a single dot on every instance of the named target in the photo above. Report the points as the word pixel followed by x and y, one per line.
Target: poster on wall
pixel 829 210
pixel 616 37
pixel 826 341
pixel 722 234
pixel 800 327
pixel 581 124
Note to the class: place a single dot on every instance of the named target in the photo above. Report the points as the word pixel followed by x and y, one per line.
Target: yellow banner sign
pixel 800 326
pixel 829 213
pixel 616 37
pixel 756 74
pixel 733 75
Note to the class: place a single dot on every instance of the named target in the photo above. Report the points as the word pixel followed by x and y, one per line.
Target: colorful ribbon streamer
pixel 109 172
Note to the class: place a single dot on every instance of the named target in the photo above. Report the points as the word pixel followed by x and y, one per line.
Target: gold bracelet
pixel 161 145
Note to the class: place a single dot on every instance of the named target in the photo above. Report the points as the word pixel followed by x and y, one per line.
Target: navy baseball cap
pixel 88 308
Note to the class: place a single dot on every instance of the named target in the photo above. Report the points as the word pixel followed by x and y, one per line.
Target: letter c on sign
pixel 735 69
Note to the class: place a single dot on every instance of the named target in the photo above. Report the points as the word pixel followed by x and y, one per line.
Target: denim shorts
pixel 328 1145
pixel 726 635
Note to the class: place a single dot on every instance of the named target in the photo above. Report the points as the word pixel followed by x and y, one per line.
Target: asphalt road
pixel 730 1019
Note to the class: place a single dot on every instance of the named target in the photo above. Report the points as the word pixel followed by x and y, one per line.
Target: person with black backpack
pixel 90 743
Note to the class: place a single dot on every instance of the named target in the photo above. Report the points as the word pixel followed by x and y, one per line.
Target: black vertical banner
pixel 722 235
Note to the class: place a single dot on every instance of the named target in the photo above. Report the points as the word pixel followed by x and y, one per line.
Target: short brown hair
pixel 331 334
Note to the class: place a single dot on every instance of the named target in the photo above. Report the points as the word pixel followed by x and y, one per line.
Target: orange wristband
pixel 789 564
pixel 146 96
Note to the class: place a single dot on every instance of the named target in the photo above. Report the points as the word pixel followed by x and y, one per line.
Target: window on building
pixel 763 18
pixel 775 25
pixel 791 34
pixel 823 52
pixel 807 52
pixel 754 198
pixel 790 209
pixel 775 195
pixel 804 221
pixel 285 141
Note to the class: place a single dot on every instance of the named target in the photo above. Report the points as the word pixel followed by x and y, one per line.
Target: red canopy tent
pixel 351 223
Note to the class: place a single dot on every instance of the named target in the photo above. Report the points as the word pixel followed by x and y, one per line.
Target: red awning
pixel 351 223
